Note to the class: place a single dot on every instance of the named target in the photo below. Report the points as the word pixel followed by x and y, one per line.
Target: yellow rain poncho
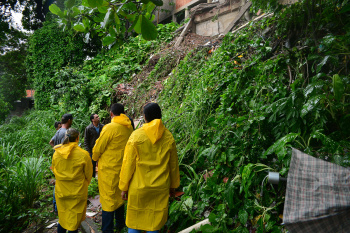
pixel 73 171
pixel 150 169
pixel 109 152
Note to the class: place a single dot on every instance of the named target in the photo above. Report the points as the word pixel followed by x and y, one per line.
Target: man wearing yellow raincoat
pixel 73 171
pixel 109 152
pixel 149 173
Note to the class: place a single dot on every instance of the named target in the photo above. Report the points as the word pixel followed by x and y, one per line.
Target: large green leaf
pixel 117 22
pixel 229 195
pixel 148 30
pixel 70 3
pixel 99 3
pixel 130 6
pixel 150 7
pixel 311 104
pixel 112 32
pixel 207 228
pixel 331 145
pixel 137 24
pixel 313 87
pixel 322 63
pixel 56 10
pixel 246 179
pixel 92 3
pixel 79 27
pixel 212 217
pixel 108 40
pixel 338 87
pixel 279 147
pixel 243 216
pixel 102 9
pixel 209 152
pixel 98 19
pixel 116 19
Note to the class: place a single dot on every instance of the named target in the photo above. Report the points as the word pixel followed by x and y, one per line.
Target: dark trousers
pixel 108 218
pixel 62 230
pixel 93 168
pixel 54 200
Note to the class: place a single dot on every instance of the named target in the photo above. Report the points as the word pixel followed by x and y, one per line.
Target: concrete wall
pixel 210 28
pixel 164 11
pixel 214 22
pixel 203 23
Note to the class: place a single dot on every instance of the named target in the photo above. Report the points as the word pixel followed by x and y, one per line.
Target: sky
pixel 17 20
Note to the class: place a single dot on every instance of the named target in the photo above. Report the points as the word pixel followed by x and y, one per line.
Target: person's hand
pixel 172 192
pixel 125 195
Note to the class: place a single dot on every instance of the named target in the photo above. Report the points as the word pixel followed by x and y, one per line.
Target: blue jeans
pixel 139 231
pixel 108 218
pixel 62 230
pixel 54 199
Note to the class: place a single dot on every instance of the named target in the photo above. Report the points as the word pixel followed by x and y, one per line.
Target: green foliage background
pixel 234 112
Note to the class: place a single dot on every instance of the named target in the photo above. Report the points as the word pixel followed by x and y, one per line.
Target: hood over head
pixel 64 150
pixel 154 130
pixel 123 120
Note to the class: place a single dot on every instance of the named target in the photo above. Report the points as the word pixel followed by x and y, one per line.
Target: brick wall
pixel 180 3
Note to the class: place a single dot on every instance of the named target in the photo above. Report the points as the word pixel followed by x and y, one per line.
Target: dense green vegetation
pixel 234 111
pixel 276 84
pixel 24 165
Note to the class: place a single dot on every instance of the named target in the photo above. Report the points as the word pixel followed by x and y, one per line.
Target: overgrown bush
pixel 50 49
pixel 93 188
pixel 20 183
pixel 275 84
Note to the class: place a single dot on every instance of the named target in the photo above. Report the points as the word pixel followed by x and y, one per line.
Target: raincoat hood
pixel 64 150
pixel 154 130
pixel 123 120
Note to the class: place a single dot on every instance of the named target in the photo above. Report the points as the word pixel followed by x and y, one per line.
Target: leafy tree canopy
pixel 110 20
pixel 34 12
pixel 13 76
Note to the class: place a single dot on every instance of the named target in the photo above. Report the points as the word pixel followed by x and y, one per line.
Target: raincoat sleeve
pixel 128 167
pixel 53 163
pixel 101 144
pixel 88 168
pixel 174 168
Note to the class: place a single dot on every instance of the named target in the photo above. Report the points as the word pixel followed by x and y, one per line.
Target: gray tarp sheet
pixel 317 196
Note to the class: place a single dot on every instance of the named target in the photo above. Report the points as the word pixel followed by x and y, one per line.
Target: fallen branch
pixel 256 19
pixel 196 226
pixel 183 33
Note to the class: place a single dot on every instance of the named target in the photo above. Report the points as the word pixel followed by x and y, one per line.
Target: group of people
pixel 139 166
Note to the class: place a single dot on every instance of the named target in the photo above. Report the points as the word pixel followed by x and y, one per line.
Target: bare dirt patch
pixel 146 86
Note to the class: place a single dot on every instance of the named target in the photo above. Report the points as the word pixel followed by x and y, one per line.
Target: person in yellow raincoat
pixel 73 171
pixel 149 173
pixel 109 152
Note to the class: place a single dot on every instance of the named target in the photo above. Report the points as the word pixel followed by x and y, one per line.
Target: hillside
pixel 235 105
